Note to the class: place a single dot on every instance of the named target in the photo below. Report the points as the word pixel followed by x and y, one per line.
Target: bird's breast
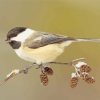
pixel 40 55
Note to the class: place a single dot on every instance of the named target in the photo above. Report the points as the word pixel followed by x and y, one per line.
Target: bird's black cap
pixel 14 32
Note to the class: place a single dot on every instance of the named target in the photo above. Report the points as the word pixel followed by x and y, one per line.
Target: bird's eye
pixel 14 44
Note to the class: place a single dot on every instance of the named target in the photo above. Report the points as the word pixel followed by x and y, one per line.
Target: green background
pixel 76 18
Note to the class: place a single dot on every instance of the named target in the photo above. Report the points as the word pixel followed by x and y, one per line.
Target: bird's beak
pixel 7 40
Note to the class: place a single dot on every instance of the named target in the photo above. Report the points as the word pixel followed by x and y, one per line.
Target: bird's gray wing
pixel 46 39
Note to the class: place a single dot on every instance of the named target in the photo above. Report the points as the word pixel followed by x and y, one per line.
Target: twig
pixel 15 72
pixel 69 63
pixel 25 70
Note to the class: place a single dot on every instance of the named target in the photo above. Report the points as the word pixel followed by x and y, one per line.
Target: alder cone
pixel 48 71
pixel 90 80
pixel 88 69
pixel 85 68
pixel 44 79
pixel 73 82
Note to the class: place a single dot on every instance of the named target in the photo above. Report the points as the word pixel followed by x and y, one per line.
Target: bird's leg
pixel 41 66
pixel 37 66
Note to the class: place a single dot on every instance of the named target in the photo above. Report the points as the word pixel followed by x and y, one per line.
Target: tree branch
pixel 47 71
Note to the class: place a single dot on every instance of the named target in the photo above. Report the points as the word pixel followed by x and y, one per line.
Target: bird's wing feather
pixel 46 39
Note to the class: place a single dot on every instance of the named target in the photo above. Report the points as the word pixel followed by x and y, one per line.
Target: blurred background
pixel 77 18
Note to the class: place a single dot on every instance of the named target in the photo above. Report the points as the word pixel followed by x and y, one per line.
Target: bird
pixel 40 47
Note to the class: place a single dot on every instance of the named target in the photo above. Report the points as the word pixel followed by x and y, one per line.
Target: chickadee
pixel 39 47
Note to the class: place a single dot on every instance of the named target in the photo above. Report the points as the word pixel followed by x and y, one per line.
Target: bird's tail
pixel 86 40
pixel 69 40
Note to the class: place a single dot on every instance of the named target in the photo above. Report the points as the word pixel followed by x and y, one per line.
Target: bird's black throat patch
pixel 15 44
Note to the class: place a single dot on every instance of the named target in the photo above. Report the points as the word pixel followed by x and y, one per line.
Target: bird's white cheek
pixel 24 35
pixel 20 38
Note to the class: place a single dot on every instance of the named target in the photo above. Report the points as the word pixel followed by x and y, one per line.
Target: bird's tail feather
pixel 86 40
pixel 70 40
